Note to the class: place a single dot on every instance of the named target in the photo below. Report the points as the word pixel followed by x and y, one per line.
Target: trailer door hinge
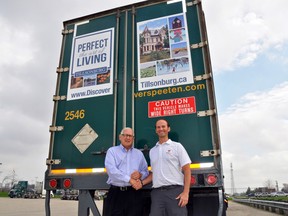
pixel 61 70
pixel 199 45
pixel 203 77
pixel 193 3
pixel 56 128
pixel 206 113
pixel 66 31
pixel 52 161
pixel 59 97
pixel 209 153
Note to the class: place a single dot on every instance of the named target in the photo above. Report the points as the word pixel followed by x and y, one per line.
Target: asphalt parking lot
pixel 36 207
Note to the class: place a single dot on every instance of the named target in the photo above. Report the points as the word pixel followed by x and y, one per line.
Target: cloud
pixel 254 137
pixel 16 44
pixel 244 31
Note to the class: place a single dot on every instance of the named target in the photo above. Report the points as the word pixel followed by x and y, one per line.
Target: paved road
pixel 237 209
pixel 36 207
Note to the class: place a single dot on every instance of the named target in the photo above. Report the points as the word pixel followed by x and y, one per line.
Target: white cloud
pixel 254 138
pixel 16 44
pixel 244 30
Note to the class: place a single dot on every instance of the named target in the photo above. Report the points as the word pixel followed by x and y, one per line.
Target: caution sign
pixel 171 107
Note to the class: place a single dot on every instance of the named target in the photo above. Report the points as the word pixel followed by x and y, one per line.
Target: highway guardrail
pixel 272 206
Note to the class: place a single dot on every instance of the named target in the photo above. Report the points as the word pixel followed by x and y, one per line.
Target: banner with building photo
pixel 163 53
pixel 91 67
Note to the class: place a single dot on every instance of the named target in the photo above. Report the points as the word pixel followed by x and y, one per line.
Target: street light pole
pixel 0 173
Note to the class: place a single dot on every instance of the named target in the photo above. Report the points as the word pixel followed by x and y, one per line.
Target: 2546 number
pixel 74 114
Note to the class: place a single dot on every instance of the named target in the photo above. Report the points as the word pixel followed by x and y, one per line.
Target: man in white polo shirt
pixel 171 175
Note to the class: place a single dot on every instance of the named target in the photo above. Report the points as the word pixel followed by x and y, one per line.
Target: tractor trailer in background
pixel 131 66
pixel 23 190
pixel 18 190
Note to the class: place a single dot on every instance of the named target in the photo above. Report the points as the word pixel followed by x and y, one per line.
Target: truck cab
pixel 18 190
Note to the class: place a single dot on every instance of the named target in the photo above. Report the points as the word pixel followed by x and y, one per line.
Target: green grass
pixel 3 194
pixel 278 199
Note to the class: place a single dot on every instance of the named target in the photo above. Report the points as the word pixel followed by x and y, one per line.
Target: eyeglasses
pixel 127 135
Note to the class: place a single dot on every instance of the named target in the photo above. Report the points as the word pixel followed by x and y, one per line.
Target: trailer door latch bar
pixel 102 152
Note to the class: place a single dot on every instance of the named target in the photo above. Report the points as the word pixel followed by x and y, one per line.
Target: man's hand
pixel 136 184
pixel 136 175
pixel 183 199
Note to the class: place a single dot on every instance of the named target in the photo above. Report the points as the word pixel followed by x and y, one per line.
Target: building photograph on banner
pixel 163 53
pixel 91 67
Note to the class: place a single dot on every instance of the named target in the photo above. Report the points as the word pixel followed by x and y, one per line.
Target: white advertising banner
pixel 163 53
pixel 91 67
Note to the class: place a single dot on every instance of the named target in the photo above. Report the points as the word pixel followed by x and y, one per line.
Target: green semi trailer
pixel 130 66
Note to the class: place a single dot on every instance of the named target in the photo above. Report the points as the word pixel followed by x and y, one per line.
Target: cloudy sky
pixel 249 52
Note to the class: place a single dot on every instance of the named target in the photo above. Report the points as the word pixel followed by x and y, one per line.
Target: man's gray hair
pixel 122 131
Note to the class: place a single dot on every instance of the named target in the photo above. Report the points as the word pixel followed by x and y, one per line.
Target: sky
pixel 248 44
